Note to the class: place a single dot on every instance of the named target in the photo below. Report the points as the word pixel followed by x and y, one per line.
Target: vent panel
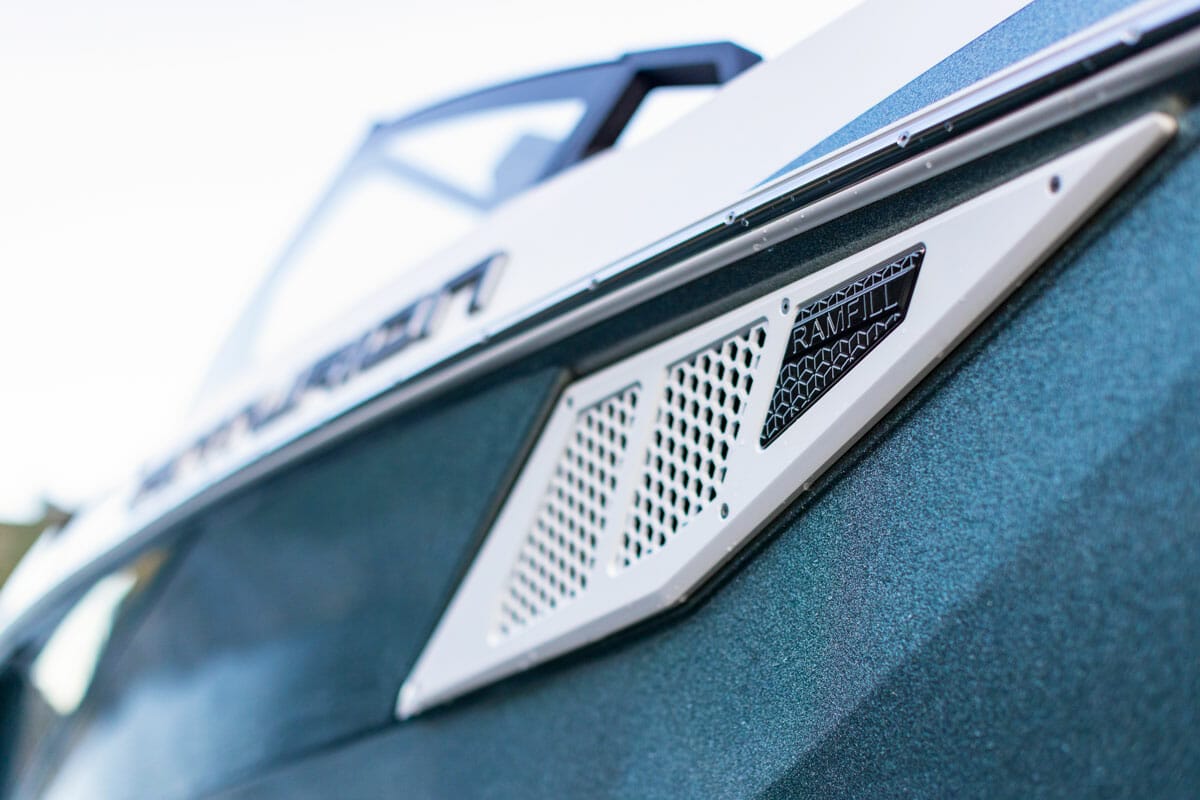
pixel 867 327
pixel 559 551
pixel 698 418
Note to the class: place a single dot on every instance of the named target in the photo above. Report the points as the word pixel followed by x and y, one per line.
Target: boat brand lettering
pixel 421 319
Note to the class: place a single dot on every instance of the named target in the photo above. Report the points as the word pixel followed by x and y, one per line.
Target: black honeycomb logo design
pixel 833 333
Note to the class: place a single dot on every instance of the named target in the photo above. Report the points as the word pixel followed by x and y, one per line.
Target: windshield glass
pixel 405 195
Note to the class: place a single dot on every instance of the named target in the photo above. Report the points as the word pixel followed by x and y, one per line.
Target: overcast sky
pixel 155 156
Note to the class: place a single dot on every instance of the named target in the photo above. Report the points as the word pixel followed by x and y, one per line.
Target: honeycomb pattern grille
pixel 559 550
pixel 699 416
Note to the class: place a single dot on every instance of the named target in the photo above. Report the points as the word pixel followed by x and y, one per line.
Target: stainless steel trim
pixel 1125 28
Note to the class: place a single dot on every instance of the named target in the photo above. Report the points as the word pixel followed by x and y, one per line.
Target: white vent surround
pixel 974 255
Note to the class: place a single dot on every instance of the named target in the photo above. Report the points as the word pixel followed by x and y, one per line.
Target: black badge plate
pixel 835 332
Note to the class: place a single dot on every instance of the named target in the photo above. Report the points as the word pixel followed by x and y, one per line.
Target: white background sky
pixel 155 156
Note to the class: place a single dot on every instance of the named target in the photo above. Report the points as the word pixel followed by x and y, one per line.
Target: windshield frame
pixel 611 93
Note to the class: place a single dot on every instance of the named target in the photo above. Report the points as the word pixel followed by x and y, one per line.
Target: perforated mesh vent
pixel 559 550
pixel 699 416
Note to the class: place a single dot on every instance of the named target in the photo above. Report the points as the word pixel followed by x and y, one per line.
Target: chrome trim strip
pixel 1124 29
pixel 517 335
